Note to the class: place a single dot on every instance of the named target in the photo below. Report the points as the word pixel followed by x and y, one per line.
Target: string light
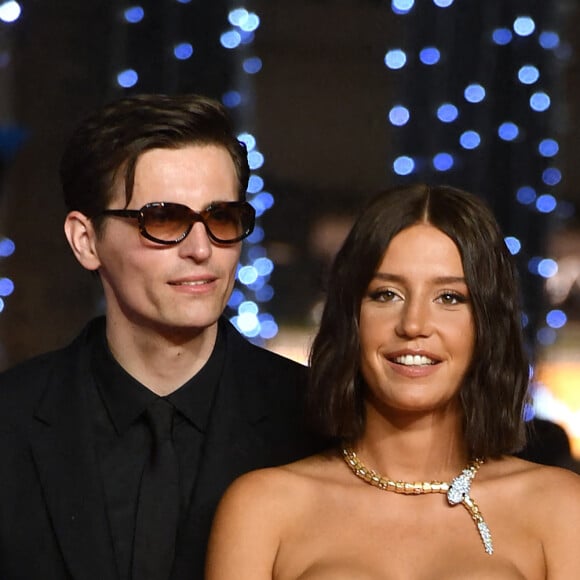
pixel 11 138
pixel 10 11
pixel 254 290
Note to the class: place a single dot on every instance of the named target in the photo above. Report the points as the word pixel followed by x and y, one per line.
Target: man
pixel 155 188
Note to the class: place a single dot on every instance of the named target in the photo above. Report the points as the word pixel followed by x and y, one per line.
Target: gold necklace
pixel 457 491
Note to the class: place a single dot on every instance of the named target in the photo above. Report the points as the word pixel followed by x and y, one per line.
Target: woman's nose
pixel 415 319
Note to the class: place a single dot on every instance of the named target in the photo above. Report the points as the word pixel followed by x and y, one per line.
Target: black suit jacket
pixel 53 523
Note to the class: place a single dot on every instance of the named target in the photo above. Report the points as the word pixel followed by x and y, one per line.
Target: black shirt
pixel 123 440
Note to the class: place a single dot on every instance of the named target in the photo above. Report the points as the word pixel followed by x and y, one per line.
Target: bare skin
pixel 315 520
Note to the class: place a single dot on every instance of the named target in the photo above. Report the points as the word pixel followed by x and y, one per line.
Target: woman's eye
pixel 383 295
pixel 452 298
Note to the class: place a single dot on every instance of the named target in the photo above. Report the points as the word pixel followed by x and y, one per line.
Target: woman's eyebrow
pixel 388 277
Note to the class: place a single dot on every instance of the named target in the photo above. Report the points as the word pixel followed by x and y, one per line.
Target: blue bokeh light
pixel 551 176
pixel 443 161
pixel 255 159
pixel 232 99
pixel 430 55
pixel 248 139
pixel 402 6
pixel 443 3
pixel 474 93
pixel 256 236
pixel 508 131
pixel 540 102
pixel 251 23
pixel 447 113
pixel 237 16
pixel 134 14
pixel 255 183
pixel 524 26
pixel 403 165
pixel 230 39
pixel 526 195
pixel 7 247
pixel 546 336
pixel 528 74
pixel 501 36
pixel 546 203
pixel 399 115
pixel 127 78
pixel 470 139
pixel 252 65
pixel 547 268
pixel 244 20
pixel 556 318
pixel 236 298
pixel 247 275
pixel 248 324
pixel 183 51
pixel 248 307
pixel 264 266
pixel 395 59
pixel 6 287
pixel 513 245
pixel 549 39
pixel 10 11
pixel 548 147
pixel 265 293
pixel 263 201
pixel 247 37
pixel 268 329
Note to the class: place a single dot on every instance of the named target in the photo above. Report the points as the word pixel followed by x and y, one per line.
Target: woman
pixel 419 375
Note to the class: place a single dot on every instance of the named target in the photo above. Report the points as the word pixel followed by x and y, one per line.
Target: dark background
pixel 318 108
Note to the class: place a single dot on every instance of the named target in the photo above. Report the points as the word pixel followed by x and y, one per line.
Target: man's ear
pixel 81 236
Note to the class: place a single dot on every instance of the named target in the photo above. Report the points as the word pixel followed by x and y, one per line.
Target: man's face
pixel 172 290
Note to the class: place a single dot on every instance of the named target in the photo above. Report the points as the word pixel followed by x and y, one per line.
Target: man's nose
pixel 197 244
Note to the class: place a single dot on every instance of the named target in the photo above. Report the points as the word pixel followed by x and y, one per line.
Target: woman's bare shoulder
pixel 280 488
pixel 256 512
pixel 550 495
pixel 534 477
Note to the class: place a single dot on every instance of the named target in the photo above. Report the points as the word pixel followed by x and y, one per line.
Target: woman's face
pixel 417 330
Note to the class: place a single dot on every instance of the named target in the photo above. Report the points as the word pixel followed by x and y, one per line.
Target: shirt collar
pixel 125 398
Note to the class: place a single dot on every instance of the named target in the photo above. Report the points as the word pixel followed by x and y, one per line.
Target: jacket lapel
pixel 234 444
pixel 63 450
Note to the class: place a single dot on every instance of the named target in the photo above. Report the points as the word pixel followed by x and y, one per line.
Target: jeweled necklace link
pixel 457 491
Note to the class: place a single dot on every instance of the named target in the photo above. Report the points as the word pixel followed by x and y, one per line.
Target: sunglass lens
pixel 168 222
pixel 226 222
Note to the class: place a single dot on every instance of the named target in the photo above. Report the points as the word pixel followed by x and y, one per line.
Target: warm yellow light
pixel 562 379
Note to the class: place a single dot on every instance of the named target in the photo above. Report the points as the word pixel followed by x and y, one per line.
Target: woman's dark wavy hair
pixel 495 388
pixel 107 145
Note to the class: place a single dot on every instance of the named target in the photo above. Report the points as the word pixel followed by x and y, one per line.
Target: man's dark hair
pixel 495 387
pixel 105 148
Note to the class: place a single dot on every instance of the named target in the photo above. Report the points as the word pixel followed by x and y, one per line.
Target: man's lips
pixel 192 282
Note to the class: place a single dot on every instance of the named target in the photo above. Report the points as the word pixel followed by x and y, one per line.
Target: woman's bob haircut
pixel 495 387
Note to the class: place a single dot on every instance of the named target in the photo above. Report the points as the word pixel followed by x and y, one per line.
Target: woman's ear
pixel 81 236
